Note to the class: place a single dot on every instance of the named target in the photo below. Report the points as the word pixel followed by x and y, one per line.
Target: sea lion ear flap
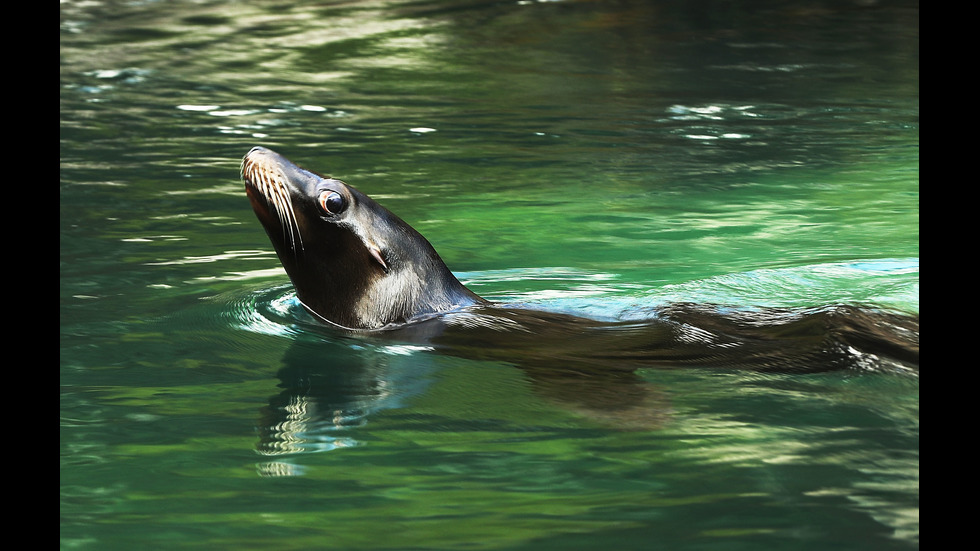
pixel 376 254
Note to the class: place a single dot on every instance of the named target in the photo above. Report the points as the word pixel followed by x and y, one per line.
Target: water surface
pixel 593 157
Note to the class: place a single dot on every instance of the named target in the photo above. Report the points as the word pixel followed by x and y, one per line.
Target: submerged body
pixel 357 266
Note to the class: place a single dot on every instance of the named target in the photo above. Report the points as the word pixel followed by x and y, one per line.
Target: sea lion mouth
pixel 266 185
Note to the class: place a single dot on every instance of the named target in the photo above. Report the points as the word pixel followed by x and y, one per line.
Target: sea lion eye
pixel 331 202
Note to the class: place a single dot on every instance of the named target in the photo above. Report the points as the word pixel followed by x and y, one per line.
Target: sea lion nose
pixel 257 150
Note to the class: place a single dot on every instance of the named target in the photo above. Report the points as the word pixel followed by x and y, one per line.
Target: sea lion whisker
pixel 287 215
pixel 273 188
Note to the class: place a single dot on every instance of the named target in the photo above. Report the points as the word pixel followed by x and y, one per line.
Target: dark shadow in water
pixel 583 365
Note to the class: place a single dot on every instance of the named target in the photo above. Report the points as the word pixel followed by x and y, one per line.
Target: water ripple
pixel 271 311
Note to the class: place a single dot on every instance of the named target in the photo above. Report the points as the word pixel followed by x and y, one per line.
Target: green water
pixel 597 157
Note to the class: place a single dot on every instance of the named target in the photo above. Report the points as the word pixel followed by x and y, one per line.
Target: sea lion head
pixel 353 262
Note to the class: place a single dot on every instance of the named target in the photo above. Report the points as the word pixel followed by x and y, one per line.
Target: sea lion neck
pixel 353 262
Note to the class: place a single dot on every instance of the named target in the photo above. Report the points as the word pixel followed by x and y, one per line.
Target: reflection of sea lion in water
pixel 356 265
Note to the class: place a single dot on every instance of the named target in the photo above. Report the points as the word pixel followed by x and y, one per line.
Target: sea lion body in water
pixel 359 267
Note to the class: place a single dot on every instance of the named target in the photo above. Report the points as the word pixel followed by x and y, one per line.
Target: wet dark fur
pixel 405 292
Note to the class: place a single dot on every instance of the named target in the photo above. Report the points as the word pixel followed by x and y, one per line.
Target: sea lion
pixel 356 265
